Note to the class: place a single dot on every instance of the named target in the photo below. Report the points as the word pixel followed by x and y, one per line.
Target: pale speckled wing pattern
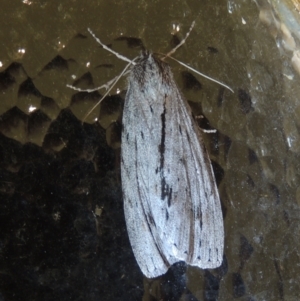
pixel 171 202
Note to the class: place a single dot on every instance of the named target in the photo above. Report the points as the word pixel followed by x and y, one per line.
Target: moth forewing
pixel 171 202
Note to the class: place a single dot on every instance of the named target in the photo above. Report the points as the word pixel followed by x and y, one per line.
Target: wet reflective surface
pixel 62 229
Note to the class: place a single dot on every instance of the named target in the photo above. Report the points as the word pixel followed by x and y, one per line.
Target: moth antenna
pixel 109 85
pixel 182 42
pixel 113 83
pixel 105 86
pixel 118 55
pixel 201 74
pixel 188 67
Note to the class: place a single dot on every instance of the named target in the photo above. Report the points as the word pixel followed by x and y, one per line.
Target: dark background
pixel 56 172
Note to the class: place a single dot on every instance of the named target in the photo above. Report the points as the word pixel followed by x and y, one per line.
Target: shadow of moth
pixel 171 201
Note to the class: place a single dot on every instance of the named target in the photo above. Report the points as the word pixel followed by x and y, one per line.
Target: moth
pixel 171 201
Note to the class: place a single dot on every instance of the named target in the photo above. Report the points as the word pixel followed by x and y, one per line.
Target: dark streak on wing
pixel 166 191
pixel 151 220
pixel 136 167
pixel 180 129
pixel 163 138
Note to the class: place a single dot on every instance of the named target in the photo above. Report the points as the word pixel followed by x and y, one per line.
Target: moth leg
pixel 211 131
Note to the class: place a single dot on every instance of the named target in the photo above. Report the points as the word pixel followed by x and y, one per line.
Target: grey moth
pixel 171 201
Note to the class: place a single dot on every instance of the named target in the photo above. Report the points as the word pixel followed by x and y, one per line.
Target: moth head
pixel 150 70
